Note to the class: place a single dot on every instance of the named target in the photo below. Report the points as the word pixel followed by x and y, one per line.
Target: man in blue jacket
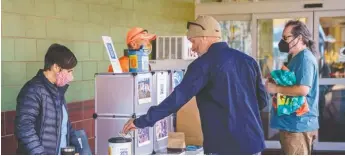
pixel 229 92
pixel 41 124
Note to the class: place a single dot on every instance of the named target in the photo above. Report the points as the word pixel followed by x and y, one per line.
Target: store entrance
pixel 329 32
pixel 256 30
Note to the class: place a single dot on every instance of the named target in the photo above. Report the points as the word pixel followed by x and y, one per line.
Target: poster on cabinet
pixel 144 89
pixel 143 136
pixel 162 129
pixel 161 86
pixel 177 77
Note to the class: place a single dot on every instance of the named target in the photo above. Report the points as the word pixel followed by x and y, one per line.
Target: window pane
pixel 332 47
pixel 332 113
pixel 237 34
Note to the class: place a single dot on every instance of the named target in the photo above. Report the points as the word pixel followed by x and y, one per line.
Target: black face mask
pixel 284 46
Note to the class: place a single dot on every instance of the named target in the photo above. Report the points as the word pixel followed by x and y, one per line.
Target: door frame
pixel 263 6
pixel 317 15
pixel 271 144
pixel 329 146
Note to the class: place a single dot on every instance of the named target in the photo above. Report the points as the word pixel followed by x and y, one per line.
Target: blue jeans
pixel 83 141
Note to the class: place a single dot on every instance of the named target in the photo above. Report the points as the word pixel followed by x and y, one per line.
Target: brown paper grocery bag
pixel 176 140
pixel 188 122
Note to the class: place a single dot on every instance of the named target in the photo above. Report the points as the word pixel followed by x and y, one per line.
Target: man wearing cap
pixel 136 38
pixel 229 91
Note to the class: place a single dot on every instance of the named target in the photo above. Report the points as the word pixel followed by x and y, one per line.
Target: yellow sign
pixel 283 99
pixel 133 61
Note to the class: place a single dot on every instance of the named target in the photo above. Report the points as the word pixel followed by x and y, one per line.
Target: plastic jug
pixel 120 146
pixel 138 61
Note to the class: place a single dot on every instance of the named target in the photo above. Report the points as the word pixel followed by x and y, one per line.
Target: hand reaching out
pixel 129 126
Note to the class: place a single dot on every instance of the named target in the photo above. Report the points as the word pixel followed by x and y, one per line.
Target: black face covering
pixel 284 46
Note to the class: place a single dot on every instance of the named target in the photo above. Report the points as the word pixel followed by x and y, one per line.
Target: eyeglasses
pixel 286 37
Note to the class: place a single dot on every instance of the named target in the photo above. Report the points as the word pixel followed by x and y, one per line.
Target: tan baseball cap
pixel 203 26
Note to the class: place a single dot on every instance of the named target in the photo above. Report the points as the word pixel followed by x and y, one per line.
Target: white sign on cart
pixel 109 46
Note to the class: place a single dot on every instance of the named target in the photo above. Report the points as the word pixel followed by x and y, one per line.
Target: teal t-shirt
pixel 305 67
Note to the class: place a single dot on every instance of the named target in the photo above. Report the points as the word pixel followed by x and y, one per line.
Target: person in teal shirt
pixel 297 133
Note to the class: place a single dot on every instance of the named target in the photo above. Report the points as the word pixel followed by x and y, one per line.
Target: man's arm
pixel 305 74
pixel 194 80
pixel 261 92
pixel 28 108
pixel 297 90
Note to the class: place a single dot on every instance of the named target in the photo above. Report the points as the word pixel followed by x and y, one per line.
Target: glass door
pixel 329 33
pixel 267 30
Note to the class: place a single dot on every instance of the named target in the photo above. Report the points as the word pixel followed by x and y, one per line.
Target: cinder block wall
pixel 30 26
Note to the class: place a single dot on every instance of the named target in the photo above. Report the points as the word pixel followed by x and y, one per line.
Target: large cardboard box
pixel 188 122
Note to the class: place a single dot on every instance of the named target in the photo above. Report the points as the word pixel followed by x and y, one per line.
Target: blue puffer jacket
pixel 39 117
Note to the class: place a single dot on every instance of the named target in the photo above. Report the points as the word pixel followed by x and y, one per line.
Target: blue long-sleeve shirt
pixel 229 92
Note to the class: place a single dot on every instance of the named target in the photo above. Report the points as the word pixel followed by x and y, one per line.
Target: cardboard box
pixel 176 140
pixel 188 122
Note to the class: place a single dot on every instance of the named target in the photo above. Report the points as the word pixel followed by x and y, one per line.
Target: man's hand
pixel 271 87
pixel 129 126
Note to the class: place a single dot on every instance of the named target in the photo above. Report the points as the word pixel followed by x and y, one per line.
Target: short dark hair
pixel 299 28
pixel 60 55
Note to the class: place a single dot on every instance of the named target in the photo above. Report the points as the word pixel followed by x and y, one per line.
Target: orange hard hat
pixel 139 33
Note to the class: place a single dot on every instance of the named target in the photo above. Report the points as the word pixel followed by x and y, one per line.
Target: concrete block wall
pixel 29 27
